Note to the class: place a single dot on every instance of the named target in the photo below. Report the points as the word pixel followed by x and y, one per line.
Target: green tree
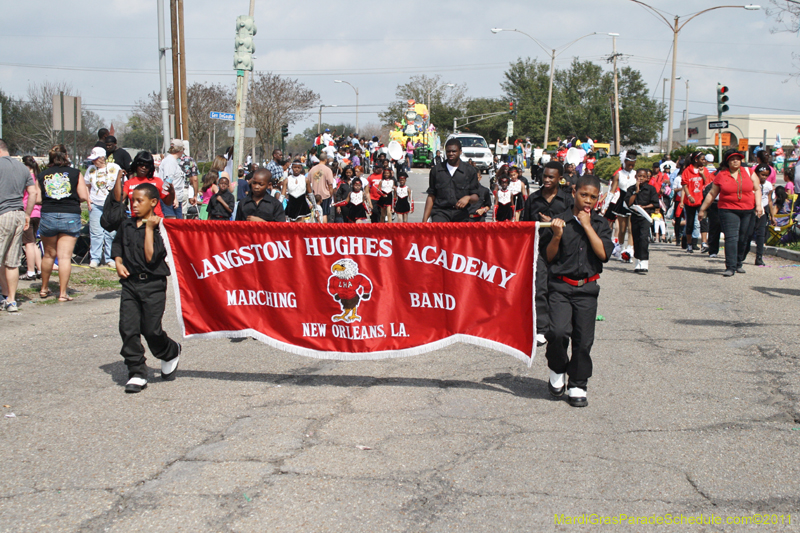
pixel 582 102
pixel 492 128
pixel 446 103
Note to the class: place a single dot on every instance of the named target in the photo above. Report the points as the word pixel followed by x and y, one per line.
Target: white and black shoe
pixel 556 384
pixel 577 397
pixel 135 385
pixel 169 368
pixel 540 340
pixel 645 264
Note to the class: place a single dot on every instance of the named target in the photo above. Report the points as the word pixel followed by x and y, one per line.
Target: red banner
pixel 357 291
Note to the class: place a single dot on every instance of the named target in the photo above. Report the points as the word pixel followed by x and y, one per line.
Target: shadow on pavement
pixel 113 295
pixel 699 270
pixel 775 292
pixel 516 385
pixel 722 323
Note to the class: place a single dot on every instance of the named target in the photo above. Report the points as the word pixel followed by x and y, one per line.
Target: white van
pixel 474 147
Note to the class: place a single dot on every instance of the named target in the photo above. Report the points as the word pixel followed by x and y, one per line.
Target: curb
pixel 784 253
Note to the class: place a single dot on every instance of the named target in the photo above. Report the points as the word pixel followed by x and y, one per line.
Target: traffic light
pixel 511 108
pixel 722 97
pixel 285 130
pixel 244 46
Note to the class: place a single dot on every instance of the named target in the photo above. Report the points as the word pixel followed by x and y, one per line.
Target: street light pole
pixel 554 52
pixel 676 27
pixel 356 90
pixel 319 124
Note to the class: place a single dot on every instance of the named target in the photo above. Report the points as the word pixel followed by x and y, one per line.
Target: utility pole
pixel 176 68
pixel 242 63
pixel 182 59
pixel 162 74
pixel 242 108
pixel 686 125
pixel 617 142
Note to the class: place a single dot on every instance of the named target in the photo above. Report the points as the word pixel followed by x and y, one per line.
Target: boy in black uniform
pixel 542 206
pixel 478 210
pixel 220 206
pixel 576 246
pixel 260 206
pixel 139 254
pixel 645 196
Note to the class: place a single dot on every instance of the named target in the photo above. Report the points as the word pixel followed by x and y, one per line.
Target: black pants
pixel 714 229
pixel 759 235
pixel 690 212
pixel 449 215
pixel 737 225
pixel 141 308
pixel 542 309
pixel 640 229
pixel 573 311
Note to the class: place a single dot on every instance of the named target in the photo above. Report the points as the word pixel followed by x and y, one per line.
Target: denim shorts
pixel 55 224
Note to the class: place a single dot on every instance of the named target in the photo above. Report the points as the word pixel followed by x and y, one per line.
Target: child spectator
pixel 220 206
pixel 659 226
pixel 139 255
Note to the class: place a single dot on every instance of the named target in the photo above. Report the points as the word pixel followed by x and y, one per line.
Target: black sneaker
pixel 728 273
pixel 135 385
pixel 759 262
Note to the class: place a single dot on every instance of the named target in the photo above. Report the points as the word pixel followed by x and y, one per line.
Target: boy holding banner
pixel 576 246
pixel 139 254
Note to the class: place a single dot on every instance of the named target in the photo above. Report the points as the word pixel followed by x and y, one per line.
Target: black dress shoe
pixel 740 270
pixel 759 263
pixel 578 401
pixel 135 385
pixel 556 393
pixel 728 273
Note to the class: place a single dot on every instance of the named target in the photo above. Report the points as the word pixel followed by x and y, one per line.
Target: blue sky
pixel 108 49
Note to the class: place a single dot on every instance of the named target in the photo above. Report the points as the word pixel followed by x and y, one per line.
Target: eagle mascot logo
pixel 348 287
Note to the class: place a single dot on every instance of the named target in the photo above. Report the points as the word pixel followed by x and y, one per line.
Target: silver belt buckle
pixel 581 282
pixel 143 276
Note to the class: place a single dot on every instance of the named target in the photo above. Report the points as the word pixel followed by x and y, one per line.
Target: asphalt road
pixel 693 409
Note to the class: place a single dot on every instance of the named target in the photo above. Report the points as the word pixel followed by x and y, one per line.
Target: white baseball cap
pixel 97 153
pixel 177 143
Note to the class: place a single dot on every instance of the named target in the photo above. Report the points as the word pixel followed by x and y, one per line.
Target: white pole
pixel 672 86
pixel 549 99
pixel 162 74
pixel 617 143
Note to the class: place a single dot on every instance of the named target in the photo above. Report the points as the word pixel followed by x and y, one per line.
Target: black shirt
pixel 575 258
pixel 448 190
pixel 268 209
pixel 129 245
pixel 215 209
pixel 536 205
pixel 121 157
pixel 647 196
pixel 59 187
pixel 341 192
pixel 484 200
pixel 242 189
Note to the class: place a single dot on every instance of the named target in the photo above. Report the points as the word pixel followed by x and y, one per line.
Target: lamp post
pixel 319 124
pixel 554 52
pixel 676 28
pixel 356 90
pixel 663 100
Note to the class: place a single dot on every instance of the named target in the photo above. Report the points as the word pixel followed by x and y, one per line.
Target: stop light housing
pixel 722 98
pixel 244 47
pixel 511 108
pixel 285 130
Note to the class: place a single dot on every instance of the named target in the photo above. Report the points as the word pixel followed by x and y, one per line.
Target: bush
pixel 605 168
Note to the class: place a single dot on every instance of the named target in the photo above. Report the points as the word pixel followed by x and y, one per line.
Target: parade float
pixel 416 125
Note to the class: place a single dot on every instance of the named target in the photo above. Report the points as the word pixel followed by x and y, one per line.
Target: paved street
pixel 693 408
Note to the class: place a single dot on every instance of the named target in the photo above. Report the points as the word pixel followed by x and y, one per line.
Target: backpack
pixel 114 213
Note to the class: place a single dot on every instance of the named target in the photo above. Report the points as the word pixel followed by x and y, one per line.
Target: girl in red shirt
pixel 738 190
pixel 692 197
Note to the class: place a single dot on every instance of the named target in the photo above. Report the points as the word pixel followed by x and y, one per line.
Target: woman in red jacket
pixel 692 196
pixel 738 190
